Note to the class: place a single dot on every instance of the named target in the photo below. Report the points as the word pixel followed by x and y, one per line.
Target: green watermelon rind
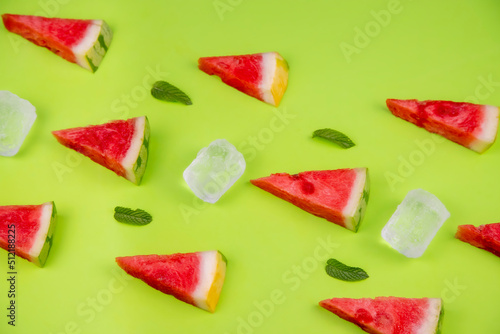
pixel 440 320
pixel 224 258
pixel 353 220
pixel 135 171
pixel 93 49
pixel 39 258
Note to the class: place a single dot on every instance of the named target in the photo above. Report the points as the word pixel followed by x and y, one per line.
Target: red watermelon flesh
pixel 121 145
pixel 486 237
pixel 471 125
pixel 180 269
pixel 340 196
pixel 63 33
pixel 83 42
pixel 238 72
pixel 34 227
pixel 195 278
pixel 261 75
pixel 389 315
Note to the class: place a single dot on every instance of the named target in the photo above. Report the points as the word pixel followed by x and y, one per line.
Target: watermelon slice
pixel 339 196
pixel 486 237
pixel 261 75
pixel 121 146
pixel 390 315
pixel 34 227
pixel 83 42
pixel 194 278
pixel 471 125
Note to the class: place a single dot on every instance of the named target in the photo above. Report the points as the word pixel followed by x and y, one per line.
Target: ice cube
pixel 415 223
pixel 16 118
pixel 215 169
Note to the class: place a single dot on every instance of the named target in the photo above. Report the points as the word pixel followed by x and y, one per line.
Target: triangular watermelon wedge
pixel 390 315
pixel 471 125
pixel 486 237
pixel 84 42
pixel 194 278
pixel 33 227
pixel 121 146
pixel 339 196
pixel 261 75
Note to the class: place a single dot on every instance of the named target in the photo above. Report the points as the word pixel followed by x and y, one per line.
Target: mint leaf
pixel 335 137
pixel 132 217
pixel 343 272
pixel 162 90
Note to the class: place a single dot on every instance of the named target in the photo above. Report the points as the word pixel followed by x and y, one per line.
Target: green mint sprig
pixel 164 91
pixel 338 270
pixel 133 217
pixel 334 136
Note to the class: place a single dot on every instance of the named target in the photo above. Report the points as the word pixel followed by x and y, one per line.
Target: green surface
pixel 276 252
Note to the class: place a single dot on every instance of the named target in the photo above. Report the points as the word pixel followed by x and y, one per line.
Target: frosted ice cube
pixel 16 118
pixel 215 169
pixel 415 223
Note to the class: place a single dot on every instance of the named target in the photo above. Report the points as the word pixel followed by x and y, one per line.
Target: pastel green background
pixel 275 277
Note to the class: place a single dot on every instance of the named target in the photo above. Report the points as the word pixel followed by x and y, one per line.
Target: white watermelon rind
pixel 268 71
pixel 487 133
pixel 211 278
pixel 433 319
pixel 43 239
pixel 274 78
pixel 92 49
pixel 355 208
pixel 136 159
